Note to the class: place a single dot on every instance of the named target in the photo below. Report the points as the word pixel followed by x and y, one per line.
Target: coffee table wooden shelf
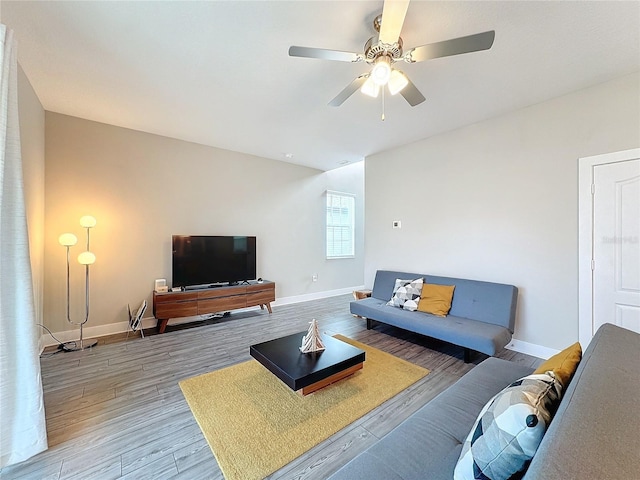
pixel 308 372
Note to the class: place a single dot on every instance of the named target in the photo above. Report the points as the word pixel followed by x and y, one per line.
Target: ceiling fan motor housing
pixel 374 48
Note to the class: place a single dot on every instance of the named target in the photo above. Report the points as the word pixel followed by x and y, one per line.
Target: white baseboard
pixel 150 322
pixel 91 332
pixel 531 349
pixel 315 296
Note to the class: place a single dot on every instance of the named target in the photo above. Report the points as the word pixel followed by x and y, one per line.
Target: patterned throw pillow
pixel 509 429
pixel 406 294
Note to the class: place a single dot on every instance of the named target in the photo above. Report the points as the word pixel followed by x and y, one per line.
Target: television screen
pixel 206 260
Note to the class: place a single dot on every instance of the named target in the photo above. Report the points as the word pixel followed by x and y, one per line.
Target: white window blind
pixel 340 225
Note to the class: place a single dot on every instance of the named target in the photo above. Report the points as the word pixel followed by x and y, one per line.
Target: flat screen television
pixel 202 261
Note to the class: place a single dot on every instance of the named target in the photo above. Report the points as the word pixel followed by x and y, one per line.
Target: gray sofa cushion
pixel 596 430
pixel 479 336
pixel 428 444
pixel 487 302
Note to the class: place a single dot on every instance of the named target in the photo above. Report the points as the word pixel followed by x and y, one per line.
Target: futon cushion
pixel 436 299
pixel 563 364
pixel 406 294
pixel 509 429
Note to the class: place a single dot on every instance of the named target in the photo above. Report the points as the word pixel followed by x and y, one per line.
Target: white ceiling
pixel 218 73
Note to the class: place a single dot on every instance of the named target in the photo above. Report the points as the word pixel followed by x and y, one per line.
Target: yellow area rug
pixel 255 424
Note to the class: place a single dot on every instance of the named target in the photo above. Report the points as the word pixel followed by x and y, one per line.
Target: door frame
pixel 586 167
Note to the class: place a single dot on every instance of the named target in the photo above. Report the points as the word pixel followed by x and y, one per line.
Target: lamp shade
pixel 88 221
pixel 397 81
pixel 381 70
pixel 87 258
pixel 369 87
pixel 67 239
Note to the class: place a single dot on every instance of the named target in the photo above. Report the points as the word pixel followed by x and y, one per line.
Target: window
pixel 340 225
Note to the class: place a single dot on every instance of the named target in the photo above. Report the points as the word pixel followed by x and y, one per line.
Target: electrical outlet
pixel 396 224
pixel 314 277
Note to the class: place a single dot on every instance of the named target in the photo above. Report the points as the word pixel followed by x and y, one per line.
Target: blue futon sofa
pixel 481 318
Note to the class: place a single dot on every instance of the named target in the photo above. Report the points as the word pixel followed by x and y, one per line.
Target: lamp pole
pixel 86 258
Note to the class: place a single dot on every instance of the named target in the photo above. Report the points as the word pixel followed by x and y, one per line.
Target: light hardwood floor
pixel 116 411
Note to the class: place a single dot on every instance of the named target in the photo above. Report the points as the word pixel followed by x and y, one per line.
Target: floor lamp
pixel 86 258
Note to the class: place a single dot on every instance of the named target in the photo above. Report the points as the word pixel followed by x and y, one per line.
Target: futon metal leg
pixel 369 324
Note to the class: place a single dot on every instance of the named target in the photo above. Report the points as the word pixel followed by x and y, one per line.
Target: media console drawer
pixel 260 298
pixel 211 300
pixel 220 304
pixel 173 297
pixel 260 287
pixel 172 305
pixel 221 292
pixel 177 309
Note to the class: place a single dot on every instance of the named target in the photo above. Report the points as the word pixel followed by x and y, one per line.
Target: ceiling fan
pixel 384 49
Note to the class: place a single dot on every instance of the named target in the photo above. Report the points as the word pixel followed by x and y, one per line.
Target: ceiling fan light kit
pixel 383 50
pixel 397 82
pixel 370 88
pixel 381 70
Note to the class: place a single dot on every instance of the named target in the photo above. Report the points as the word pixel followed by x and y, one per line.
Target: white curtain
pixel 23 430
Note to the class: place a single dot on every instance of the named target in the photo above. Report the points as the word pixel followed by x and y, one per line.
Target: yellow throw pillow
pixel 563 364
pixel 436 299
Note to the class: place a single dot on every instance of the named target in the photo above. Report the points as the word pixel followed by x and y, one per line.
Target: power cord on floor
pixel 60 344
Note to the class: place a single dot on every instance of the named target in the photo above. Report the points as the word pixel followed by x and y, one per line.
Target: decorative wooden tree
pixel 312 342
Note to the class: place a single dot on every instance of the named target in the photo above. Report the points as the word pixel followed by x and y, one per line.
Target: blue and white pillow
pixel 406 294
pixel 509 429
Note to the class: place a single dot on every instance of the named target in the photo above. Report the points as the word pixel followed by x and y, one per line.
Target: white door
pixel 614 243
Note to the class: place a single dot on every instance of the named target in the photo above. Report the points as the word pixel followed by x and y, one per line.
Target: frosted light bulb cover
pixel 88 221
pixel 370 88
pixel 86 258
pixel 381 70
pixel 397 81
pixel 67 239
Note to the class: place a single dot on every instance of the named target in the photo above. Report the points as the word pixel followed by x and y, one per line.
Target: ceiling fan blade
pixel 349 90
pixel 393 13
pixel 310 52
pixel 412 95
pixel 455 46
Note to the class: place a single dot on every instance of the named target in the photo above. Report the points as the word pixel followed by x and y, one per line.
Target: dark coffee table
pixel 308 372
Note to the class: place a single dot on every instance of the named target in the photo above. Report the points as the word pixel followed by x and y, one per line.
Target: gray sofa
pixel 594 433
pixel 481 318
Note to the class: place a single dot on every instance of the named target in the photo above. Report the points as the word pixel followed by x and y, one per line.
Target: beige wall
pixel 143 188
pixel 33 164
pixel 498 201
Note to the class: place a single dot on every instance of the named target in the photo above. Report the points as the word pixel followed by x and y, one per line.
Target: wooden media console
pixel 205 301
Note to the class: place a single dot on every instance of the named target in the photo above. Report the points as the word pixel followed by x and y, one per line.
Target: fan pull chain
pixel 383 89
